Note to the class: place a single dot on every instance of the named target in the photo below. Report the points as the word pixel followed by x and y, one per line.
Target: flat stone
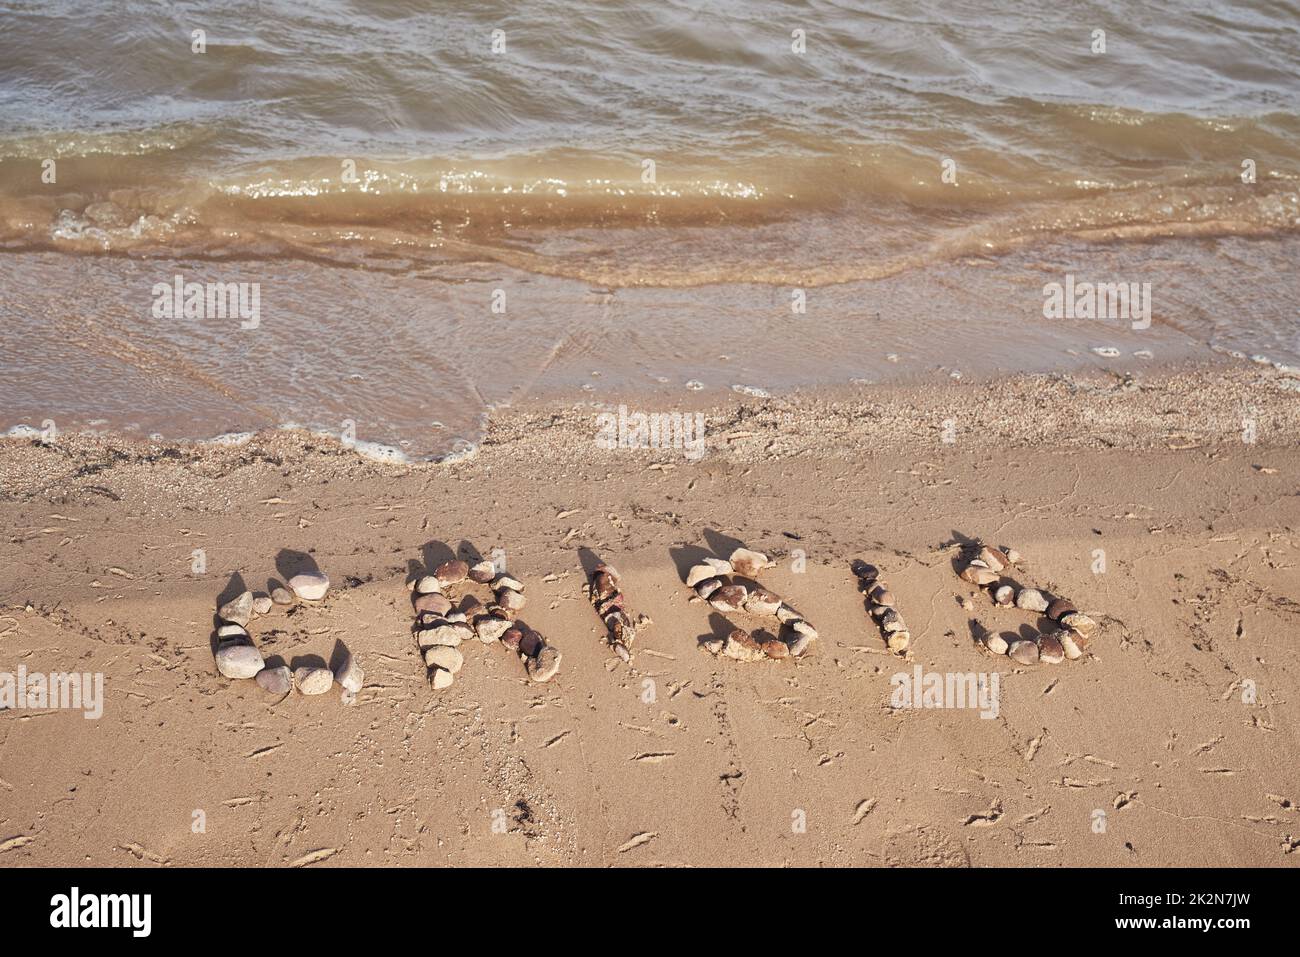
pixel 749 563
pixel 1031 599
pixel 801 627
pixel 313 680
pixel 232 631
pixel 350 676
pixel 433 602
pixel 979 575
pixel 545 665
pixel 239 659
pixel 728 597
pixel 262 604
pixel 760 601
pixel 1059 607
pixel 898 641
pixel 428 585
pixel 450 634
pixel 706 588
pixel 277 681
pixel 742 646
pixel 867 572
pixel 720 566
pixel 511 600
pixel 310 586
pixel 1004 595
pixel 505 581
pixel 281 595
pixel 238 610
pixel 441 656
pixel 994 558
pixel 776 649
pixel 441 678
pixel 489 628
pixel 530 644
pixel 1078 621
pixel 800 644
pixel 891 621
pixel 880 595
pixel 512 639
pixel 1072 644
pixel 699 573
pixel 995 643
pixel 1050 650
pixel 785 614
pixel 451 572
pixel 1024 651
pixel 482 572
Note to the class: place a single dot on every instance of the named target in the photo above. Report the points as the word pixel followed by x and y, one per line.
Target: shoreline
pixel 1202 403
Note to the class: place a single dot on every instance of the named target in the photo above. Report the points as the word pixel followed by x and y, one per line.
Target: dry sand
pixel 680 758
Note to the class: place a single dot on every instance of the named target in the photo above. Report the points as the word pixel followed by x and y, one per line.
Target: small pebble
pixel 1031 599
pixel 507 582
pixel 441 656
pixel 1050 650
pixel 452 572
pixel 350 676
pixel 428 585
pixel 728 597
pixel 239 659
pixel 433 601
pixel 277 681
pixel 441 678
pixel 511 600
pixel 262 604
pixel 1024 651
pixel 697 574
pixel 742 646
pixel 995 643
pixel 993 558
pixel 238 610
pixel 545 665
pixel 313 680
pixel 310 586
pixel 749 563
pixel 706 588
pixel 979 575
pixel 1058 608
pixel 489 628
pixel 530 644
pixel 1004 595
pixel 1078 621
pixel 281 595
pixel 761 602
pixel 450 634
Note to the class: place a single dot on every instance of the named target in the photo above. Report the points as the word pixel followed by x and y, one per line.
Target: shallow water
pixel 502 236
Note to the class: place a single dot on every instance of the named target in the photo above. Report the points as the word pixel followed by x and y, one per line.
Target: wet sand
pixel 1175 733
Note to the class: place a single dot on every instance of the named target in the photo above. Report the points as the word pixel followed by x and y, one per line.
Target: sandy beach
pixel 1164 506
